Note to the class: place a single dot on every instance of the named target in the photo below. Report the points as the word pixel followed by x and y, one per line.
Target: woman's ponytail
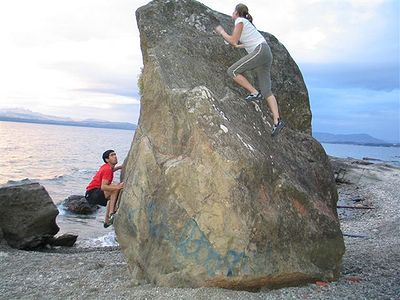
pixel 243 12
pixel 249 17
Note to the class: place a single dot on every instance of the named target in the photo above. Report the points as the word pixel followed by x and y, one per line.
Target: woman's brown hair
pixel 243 12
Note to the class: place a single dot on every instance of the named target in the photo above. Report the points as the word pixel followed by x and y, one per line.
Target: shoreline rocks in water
pixel 370 265
pixel 28 217
pixel 77 204
pixel 64 240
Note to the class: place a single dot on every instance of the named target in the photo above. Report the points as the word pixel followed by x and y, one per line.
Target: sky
pixel 81 58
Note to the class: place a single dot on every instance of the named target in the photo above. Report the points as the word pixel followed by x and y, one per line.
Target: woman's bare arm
pixel 231 39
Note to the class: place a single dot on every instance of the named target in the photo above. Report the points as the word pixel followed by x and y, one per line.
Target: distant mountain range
pixel 27 116
pixel 355 139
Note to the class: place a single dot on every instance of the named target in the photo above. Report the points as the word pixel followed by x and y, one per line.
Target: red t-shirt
pixel 105 172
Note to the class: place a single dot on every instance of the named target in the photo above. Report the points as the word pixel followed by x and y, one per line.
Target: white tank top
pixel 250 37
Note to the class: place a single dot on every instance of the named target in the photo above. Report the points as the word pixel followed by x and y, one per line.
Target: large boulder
pixel 27 215
pixel 210 198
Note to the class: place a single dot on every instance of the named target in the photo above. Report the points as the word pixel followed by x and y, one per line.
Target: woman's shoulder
pixel 241 20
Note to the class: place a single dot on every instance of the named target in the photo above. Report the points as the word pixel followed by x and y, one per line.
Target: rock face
pixel 78 204
pixel 210 198
pixel 27 215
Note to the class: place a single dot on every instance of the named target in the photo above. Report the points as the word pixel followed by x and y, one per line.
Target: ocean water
pixel 64 159
pixel 389 155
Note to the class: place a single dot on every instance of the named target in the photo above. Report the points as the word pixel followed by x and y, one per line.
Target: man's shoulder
pixel 105 167
pixel 105 172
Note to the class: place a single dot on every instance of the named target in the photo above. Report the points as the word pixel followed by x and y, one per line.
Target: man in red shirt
pixel 101 190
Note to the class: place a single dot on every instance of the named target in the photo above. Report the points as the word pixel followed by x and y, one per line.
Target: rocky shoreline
pixel 370 269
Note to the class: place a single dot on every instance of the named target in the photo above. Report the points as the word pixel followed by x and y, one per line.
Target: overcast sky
pixel 81 58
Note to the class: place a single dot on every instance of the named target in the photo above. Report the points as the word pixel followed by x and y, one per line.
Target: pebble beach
pixel 370 223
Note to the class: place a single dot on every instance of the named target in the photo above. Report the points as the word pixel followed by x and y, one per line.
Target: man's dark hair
pixel 107 154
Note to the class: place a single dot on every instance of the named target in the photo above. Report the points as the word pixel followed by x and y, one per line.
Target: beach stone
pixel 78 204
pixel 28 215
pixel 210 198
pixel 65 240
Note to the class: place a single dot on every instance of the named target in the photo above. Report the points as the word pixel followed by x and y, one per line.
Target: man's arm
pixel 117 168
pixel 106 186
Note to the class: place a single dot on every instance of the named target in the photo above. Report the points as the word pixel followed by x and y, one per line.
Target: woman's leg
pixel 244 83
pixel 248 62
pixel 264 81
pixel 273 106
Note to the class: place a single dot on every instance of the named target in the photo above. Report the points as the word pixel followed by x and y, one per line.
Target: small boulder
pixel 65 240
pixel 78 204
pixel 28 215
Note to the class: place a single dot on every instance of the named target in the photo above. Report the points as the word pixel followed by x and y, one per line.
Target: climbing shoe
pixel 276 128
pixel 254 97
pixel 106 225
pixel 110 221
pixel 111 218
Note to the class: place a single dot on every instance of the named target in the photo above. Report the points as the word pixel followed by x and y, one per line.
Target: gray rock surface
pixel 27 215
pixel 210 198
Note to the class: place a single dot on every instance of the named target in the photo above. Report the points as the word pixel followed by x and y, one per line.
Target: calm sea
pixel 390 155
pixel 64 159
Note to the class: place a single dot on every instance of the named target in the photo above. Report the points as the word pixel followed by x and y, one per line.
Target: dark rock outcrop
pixel 65 240
pixel 210 198
pixel 78 205
pixel 27 215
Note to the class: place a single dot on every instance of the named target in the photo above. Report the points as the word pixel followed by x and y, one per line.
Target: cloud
pixel 348 52
pixel 356 110
pixel 69 54
pixel 321 31
pixel 346 75
pixel 82 58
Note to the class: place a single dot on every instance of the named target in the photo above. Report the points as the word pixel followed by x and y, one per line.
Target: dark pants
pixel 96 197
